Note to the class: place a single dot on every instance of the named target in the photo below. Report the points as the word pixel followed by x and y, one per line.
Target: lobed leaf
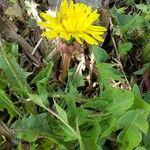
pixel 14 73
pixel 31 128
pixel 6 103
pixel 133 123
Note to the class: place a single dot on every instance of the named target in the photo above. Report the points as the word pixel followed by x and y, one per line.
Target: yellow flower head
pixel 73 21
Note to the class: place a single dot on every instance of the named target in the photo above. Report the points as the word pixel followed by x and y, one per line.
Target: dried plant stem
pixel 80 67
pixel 118 60
pixel 37 45
pixel 7 133
pixel 8 33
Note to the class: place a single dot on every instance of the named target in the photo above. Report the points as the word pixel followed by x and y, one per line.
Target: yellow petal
pixel 73 20
pixel 97 37
pixel 97 28
pixel 47 17
pixel 94 32
pixel 65 36
pixel 89 39
pixel 44 24
pixel 50 34
pixel 77 37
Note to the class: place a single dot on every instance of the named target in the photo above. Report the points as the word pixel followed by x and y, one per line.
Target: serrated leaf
pixel 130 23
pixel 127 23
pixel 14 73
pixel 142 7
pixel 61 113
pixel 119 101
pixel 41 81
pixel 124 48
pixel 3 82
pixel 31 128
pixel 136 118
pixel 11 48
pixel 37 100
pixel 85 115
pixel 133 123
pixel 108 73
pixel 130 138
pixel 128 2
pixel 99 54
pixel 44 75
pixel 67 134
pixel 90 136
pixel 14 10
pixel 108 126
pixel 97 104
pixel 141 104
pixel 6 103
pixel 75 80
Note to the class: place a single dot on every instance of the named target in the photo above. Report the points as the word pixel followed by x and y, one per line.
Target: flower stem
pixel 65 66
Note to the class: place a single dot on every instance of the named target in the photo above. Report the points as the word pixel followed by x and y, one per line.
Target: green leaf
pixel 136 91
pixel 142 71
pixel 129 138
pixel 3 82
pixel 49 144
pixel 37 100
pixel 146 140
pixel 133 123
pixel 128 2
pixel 44 75
pixel 97 104
pixel 147 97
pixel 61 113
pixel 6 103
pixel 67 134
pixel 119 101
pixel 127 23
pixel 124 48
pixel 75 81
pixel 85 116
pixel 11 48
pixel 141 104
pixel 131 23
pixel 31 128
pixel 99 54
pixel 15 75
pixel 142 7
pixel 90 136
pixel 140 148
pixel 146 53
pixel 108 125
pixel 108 73
pixel 41 80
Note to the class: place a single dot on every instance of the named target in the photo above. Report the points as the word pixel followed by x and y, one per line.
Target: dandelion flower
pixel 73 21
